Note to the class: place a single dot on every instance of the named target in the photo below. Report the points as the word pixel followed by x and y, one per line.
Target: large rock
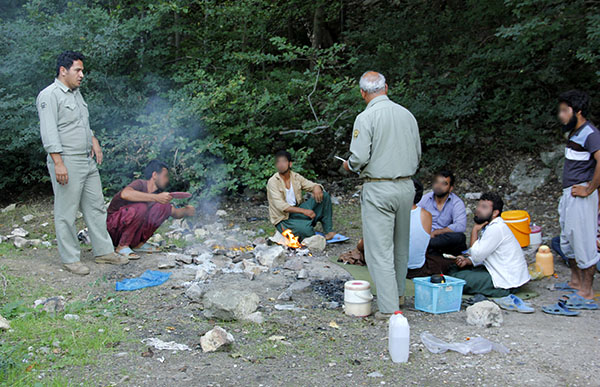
pixel 195 292
pixel 555 159
pixel 270 256
pixel 20 242
pixel 484 314
pixel 527 178
pixel 216 339
pixel 229 304
pixel 51 305
pixel 315 243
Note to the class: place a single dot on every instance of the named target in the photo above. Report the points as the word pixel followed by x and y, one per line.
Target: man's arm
pixel 47 108
pixel 310 186
pixel 360 147
pixel 182 212
pixel 584 191
pixel 131 195
pixel 483 247
pixel 96 150
pixel 459 217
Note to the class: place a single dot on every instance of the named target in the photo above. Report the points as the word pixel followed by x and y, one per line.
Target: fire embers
pixel 290 239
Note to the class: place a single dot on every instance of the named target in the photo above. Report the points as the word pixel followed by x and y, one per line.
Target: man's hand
pixel 310 213
pixel 435 233
pixel 318 194
pixel 62 176
pixel 189 210
pixel 478 227
pixel 462 261
pixel 163 197
pixel 580 191
pixel 96 150
pixel 346 166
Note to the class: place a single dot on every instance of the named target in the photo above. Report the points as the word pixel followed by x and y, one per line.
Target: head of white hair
pixel 372 82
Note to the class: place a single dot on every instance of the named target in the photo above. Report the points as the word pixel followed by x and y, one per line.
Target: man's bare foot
pixel 330 235
pixel 587 295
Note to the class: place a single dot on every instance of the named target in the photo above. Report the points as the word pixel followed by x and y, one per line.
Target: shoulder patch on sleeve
pixel 356 132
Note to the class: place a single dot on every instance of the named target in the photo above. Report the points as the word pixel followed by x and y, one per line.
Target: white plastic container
pixel 357 298
pixel 399 338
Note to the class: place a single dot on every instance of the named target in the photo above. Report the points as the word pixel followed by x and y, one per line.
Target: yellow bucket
pixel 518 222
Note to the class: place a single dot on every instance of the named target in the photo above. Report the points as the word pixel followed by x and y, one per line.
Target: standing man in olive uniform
pixel 71 146
pixel 385 151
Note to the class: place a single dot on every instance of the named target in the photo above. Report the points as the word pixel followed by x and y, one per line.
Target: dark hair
pixel 576 99
pixel 66 59
pixel 447 174
pixel 418 191
pixel 283 153
pixel 497 203
pixel 154 166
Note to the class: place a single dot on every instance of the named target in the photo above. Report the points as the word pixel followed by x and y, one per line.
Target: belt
pixel 374 179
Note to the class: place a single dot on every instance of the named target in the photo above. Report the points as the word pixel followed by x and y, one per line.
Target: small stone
pixel 285 295
pixel 71 317
pixel 315 243
pixel 303 274
pixel 84 237
pixel 20 232
pixel 299 287
pixel 375 375
pixel 52 304
pixel 20 242
pixel 201 233
pixel 186 259
pixel 195 292
pixel 166 264
pixel 473 195
pixel 256 317
pixel 201 274
pixel 27 218
pixel 294 264
pixel 79 215
pixel 215 339
pixel 270 256
pixel 251 269
pixel 221 213
pixel 156 238
pixel 4 324
pixel 35 242
pixel 484 314
pixel 44 224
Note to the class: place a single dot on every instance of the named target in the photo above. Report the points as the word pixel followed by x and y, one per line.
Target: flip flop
pixel 512 302
pixel 575 301
pixel 127 252
pixel 147 248
pixel 562 286
pixel 559 309
pixel 336 238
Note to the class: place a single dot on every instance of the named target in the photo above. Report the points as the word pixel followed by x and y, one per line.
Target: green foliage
pixel 214 88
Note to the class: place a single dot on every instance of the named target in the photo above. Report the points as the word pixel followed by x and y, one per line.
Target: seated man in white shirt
pixel 496 265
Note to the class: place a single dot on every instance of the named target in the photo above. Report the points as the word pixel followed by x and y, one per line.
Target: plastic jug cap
pixel 398 312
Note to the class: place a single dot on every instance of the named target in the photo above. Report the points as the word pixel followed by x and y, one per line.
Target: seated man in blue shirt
pixel 449 216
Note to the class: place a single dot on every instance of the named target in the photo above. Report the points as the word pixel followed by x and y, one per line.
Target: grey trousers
pixel 385 207
pixel 579 227
pixel 82 192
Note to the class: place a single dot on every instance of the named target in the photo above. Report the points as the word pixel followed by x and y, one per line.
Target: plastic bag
pixel 149 278
pixel 477 345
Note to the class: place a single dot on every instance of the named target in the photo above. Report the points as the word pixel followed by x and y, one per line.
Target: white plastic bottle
pixel 399 338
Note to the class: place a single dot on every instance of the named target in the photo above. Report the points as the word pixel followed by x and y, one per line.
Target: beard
pixel 482 220
pixel 439 194
pixel 569 126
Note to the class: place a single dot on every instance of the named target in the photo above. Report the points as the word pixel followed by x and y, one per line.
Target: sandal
pixel 512 302
pixel 147 248
pixel 575 301
pixel 127 252
pixel 559 309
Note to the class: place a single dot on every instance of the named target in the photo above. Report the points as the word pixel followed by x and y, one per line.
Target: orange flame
pixel 291 240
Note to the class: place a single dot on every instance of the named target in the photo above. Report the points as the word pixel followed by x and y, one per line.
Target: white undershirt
pixel 290 197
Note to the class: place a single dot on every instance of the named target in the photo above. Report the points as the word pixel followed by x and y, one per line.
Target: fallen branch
pixel 317 129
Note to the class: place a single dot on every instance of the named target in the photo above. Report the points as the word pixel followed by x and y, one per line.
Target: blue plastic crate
pixel 438 298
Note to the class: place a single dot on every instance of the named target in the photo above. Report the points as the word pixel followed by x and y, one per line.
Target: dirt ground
pixel 544 350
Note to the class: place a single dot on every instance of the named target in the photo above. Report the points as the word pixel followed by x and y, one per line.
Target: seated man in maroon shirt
pixel 138 210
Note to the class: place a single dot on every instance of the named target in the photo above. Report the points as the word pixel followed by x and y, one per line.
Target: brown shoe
pixel 113 259
pixel 77 268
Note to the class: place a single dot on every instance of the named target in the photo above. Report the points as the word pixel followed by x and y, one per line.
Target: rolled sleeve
pixel 459 217
pixel 360 147
pixel 485 246
pixel 47 108
pixel 308 185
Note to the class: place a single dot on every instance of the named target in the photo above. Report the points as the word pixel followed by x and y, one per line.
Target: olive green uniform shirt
pixel 385 141
pixel 64 120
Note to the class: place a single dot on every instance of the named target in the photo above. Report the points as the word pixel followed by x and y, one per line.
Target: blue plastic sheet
pixel 149 278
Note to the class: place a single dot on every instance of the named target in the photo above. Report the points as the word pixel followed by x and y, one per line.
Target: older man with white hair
pixel 385 151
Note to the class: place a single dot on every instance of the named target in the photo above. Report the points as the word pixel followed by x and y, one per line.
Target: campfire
pixel 290 239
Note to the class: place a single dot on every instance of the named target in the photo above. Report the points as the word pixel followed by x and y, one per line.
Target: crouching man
pixel 138 210
pixel 286 207
pixel 496 266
